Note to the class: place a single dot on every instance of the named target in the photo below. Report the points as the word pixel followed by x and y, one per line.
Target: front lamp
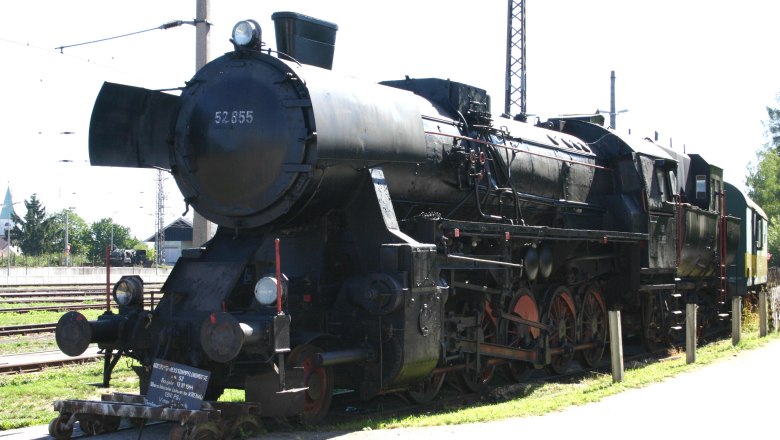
pixel 129 291
pixel 246 35
pixel 265 290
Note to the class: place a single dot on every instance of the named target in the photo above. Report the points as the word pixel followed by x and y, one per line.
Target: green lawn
pixel 26 399
pixel 32 343
pixel 542 398
pixel 43 317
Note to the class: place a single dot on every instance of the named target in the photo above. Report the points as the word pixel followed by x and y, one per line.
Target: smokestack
pixel 306 39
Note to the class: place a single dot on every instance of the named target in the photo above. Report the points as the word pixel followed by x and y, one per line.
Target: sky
pixel 700 73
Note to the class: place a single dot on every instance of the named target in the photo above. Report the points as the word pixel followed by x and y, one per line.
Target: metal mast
pixel 612 114
pixel 159 222
pixel 514 97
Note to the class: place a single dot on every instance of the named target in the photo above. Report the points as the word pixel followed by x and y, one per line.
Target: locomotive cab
pixel 705 184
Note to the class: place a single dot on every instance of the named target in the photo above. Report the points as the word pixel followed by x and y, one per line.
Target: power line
pixel 164 26
pixel 48 51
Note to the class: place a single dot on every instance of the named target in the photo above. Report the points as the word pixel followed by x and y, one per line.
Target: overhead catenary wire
pixel 164 26
pixel 47 50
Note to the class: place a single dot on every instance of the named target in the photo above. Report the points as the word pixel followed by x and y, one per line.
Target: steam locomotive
pixel 379 237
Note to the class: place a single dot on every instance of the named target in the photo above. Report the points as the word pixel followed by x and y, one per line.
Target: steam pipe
pixel 330 358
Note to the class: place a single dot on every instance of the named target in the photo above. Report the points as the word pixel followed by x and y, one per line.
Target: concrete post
pixel 202 229
pixel 762 313
pixel 690 333
pixel 616 345
pixel 736 319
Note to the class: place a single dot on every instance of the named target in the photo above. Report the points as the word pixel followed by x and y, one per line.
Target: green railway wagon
pixel 748 274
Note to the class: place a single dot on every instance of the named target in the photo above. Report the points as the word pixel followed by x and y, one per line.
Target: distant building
pixel 8 207
pixel 178 236
pixel 4 247
pixel 5 223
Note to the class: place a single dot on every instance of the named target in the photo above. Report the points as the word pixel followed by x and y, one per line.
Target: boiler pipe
pixel 330 358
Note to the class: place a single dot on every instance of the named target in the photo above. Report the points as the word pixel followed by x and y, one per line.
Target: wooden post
pixel 690 333
pixel 616 345
pixel 762 313
pixel 736 319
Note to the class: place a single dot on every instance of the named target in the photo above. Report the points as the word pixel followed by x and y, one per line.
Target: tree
pixel 763 181
pixel 773 240
pixel 773 126
pixel 103 233
pixel 34 232
pixel 78 231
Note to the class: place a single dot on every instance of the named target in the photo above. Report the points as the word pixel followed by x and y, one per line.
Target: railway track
pixel 59 296
pixel 27 329
pixel 15 300
pixel 56 288
pixel 61 308
pixel 33 362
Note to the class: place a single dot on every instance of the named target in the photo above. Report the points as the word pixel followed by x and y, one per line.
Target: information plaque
pixel 177 385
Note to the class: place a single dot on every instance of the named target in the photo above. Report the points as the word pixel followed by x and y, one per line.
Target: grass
pixel 43 316
pixel 19 305
pixel 27 399
pixel 34 342
pixel 539 399
pixel 535 399
pixel 29 344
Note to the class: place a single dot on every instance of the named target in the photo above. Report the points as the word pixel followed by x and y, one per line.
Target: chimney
pixel 306 39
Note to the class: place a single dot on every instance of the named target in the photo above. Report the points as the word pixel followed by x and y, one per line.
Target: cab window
pixel 701 187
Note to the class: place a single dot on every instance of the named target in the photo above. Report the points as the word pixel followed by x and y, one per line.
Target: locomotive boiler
pixel 379 237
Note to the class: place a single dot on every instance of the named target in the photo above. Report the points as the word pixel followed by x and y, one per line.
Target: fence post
pixel 616 345
pixel 690 333
pixel 736 319
pixel 774 296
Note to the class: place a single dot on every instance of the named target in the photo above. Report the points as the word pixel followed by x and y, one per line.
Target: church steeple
pixel 8 206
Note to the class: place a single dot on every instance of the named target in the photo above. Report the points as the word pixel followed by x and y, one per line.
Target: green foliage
pixel 773 240
pixel 773 125
pixel 41 237
pixel 105 233
pixel 763 182
pixel 33 234
pixel 77 231
pixel 43 260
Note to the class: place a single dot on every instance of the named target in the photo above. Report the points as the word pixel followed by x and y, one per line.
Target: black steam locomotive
pixel 379 237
